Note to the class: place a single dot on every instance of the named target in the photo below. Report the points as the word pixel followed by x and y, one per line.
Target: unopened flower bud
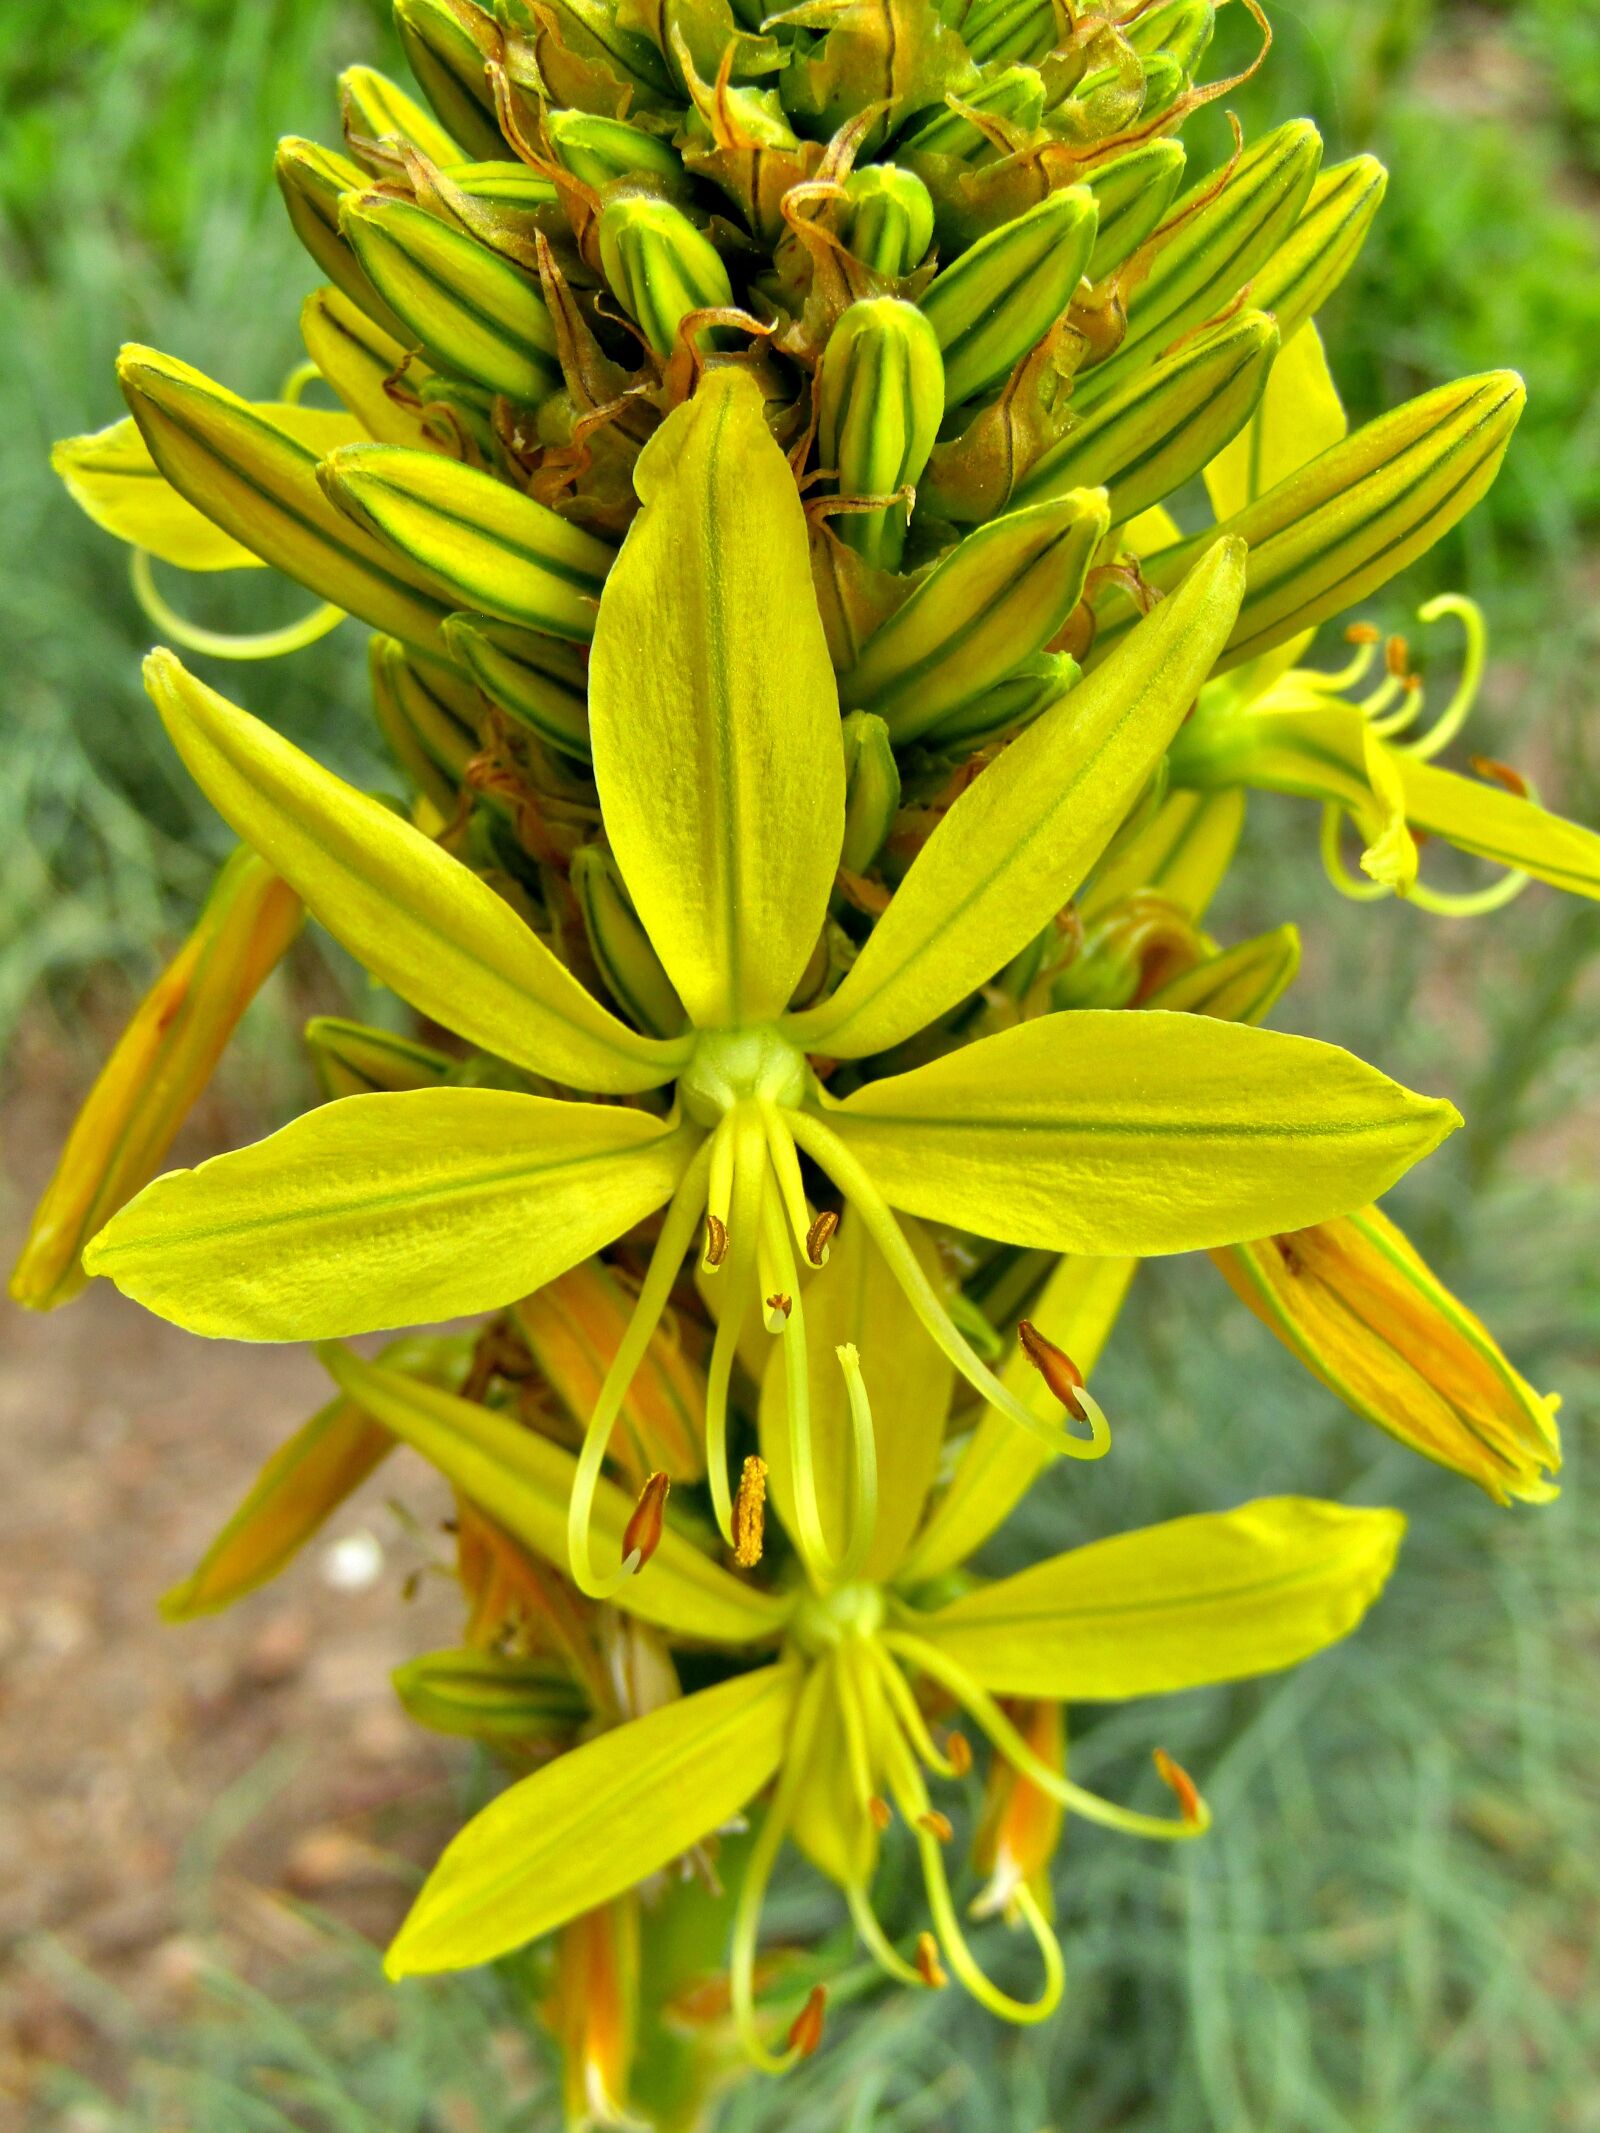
pixel 887 220
pixel 1241 984
pixel 993 303
pixel 880 399
pixel 446 44
pixel 161 1062
pixel 599 151
pixel 660 267
pixel 622 949
pixel 536 679
pixel 1132 194
pixel 354 1059
pixel 872 789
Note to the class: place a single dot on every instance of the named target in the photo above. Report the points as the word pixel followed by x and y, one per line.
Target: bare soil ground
pixel 164 1789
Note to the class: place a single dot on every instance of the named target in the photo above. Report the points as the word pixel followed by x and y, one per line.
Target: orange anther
pixel 820 1235
pixel 1485 766
pixel 749 1513
pixel 929 1968
pixel 716 1240
pixel 1182 1784
pixel 805 2032
pixel 959 1750
pixel 880 1810
pixel 936 1824
pixel 1055 1366
pixel 642 1535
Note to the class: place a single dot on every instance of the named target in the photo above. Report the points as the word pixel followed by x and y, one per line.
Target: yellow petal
pixel 417 918
pixel 1182 853
pixel 1217 1597
pixel 389 1210
pixel 1110 1132
pixel 713 715
pixel 596 1821
pixel 1019 841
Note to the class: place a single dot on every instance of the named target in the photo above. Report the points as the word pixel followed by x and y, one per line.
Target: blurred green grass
pixel 1392 1929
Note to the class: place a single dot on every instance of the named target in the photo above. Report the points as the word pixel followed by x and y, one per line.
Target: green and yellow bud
pixel 1015 96
pixel 603 151
pixel 997 598
pixel 1356 1303
pixel 1241 984
pixel 1131 193
pixel 1331 533
pixel 995 31
pixel 621 947
pixel 482 543
pixel 872 789
pixel 540 681
pixel 160 1065
pixel 314 181
pixel 358 361
pixel 249 472
pixel 1166 423
pixel 1211 254
pixel 887 219
pixel 880 399
pixel 1128 952
pixel 1181 30
pixel 1321 248
pixel 1036 684
pixel 354 1059
pixel 469 310
pixel 527 1706
pixel 447 43
pixel 661 268
pixel 990 306
pixel 428 719
pixel 380 119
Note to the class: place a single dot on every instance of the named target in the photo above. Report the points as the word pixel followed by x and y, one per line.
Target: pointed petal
pixel 389 1210
pixel 596 1821
pixel 1109 1132
pixel 1218 1597
pixel 523 1481
pixel 417 918
pixel 856 1299
pixel 713 714
pixel 1019 841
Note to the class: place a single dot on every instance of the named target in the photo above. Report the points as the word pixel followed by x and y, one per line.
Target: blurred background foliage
pixel 1393 1928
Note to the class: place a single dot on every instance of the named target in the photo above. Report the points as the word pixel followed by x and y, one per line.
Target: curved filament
pixel 677 1234
pixel 225 644
pixel 1454 715
pixel 826 1148
pixel 758 1872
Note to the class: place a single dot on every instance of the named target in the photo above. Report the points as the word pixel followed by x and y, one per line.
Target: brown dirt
pixel 164 1789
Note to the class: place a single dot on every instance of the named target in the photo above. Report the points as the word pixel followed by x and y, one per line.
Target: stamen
pixel 882 1813
pixel 786 1170
pixel 716 1249
pixel 779 1304
pixel 226 644
pixel 1055 1366
pixel 1183 1786
pixel 959 1751
pixel 1397 657
pixel 1454 715
pixel 758 1872
pixel 936 1824
pixel 820 1235
pixel 929 1968
pixel 825 1147
pixel 677 1233
pixel 905 1704
pixel 850 1693
pixel 719 1194
pixel 641 1536
pixel 876 1941
pixel 749 1513
pixel 1339 875
pixel 1363 633
pixel 928 1659
pixel 748 1187
pixel 1485 766
pixel 805 2031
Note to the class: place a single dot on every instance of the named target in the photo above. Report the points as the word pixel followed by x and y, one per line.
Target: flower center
pixel 731 1065
pixel 822 1624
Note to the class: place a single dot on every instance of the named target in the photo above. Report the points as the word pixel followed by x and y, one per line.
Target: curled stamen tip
pixel 936 1825
pixel 820 1235
pixel 1397 657
pixel 1190 1804
pixel 1362 633
pixel 641 1537
pixel 779 1304
pixel 959 1750
pixel 1056 1367
pixel 1485 766
pixel 805 2031
pixel 880 1810
pixel 716 1242
pixel 929 1968
pixel 749 1513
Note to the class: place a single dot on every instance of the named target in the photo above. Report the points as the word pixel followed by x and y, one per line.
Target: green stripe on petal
pixel 1021 839
pixel 417 918
pixel 1218 1597
pixel 713 715
pixel 393 1209
pixel 1110 1132
pixel 596 1821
